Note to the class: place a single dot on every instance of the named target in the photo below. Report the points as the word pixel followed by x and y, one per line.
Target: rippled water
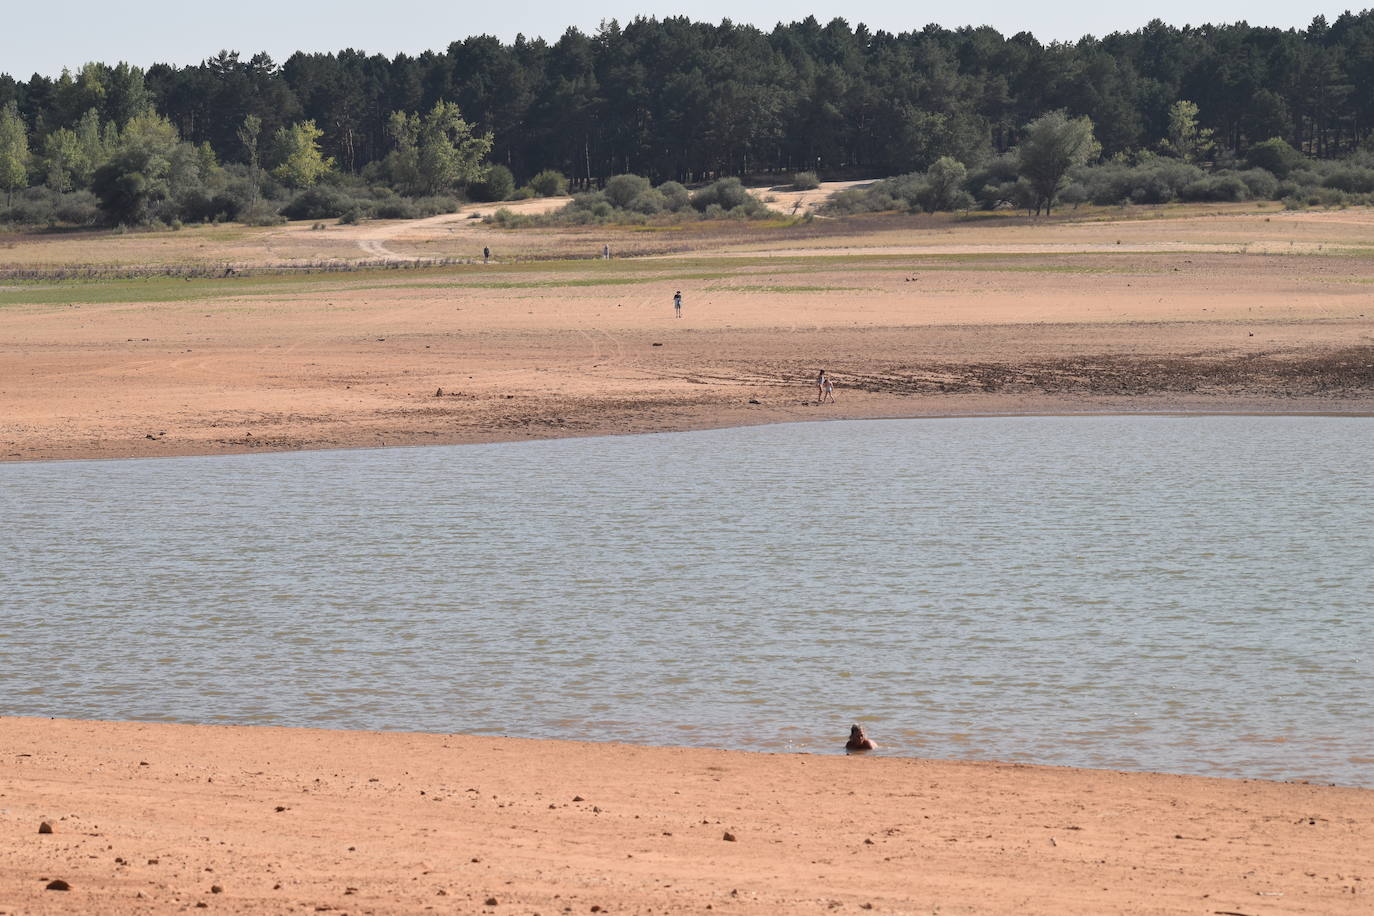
pixel 1179 594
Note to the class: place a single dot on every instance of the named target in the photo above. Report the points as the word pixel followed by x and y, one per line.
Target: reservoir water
pixel 1189 595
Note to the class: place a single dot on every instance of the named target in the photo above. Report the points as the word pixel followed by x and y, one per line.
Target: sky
pixel 45 37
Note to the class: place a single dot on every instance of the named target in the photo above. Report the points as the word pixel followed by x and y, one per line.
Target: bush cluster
pixel 940 187
pixel 633 199
pixel 1272 170
pixel 44 207
pixel 358 202
pixel 498 185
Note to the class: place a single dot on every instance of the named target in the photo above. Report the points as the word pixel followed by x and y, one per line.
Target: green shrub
pixel 649 201
pixel 504 218
pixel 621 190
pixel 942 186
pixel 727 193
pixel 397 208
pixel 435 205
pixel 1221 187
pixel 669 202
pixel 587 200
pixel 1260 183
pixel 319 202
pixel 1325 197
pixel 1352 179
pixel 549 183
pixel 1073 195
pixel 860 200
pixel 676 198
pixel 1274 156
pixel 28 212
pixel 805 181
pixel 78 208
pixel 524 192
pixel 1154 180
pixel 261 213
pixel 498 184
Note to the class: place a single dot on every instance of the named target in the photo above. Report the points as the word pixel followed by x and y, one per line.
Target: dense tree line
pixel 672 99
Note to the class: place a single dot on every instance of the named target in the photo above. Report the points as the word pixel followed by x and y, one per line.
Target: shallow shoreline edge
pixel 703 421
pixel 153 818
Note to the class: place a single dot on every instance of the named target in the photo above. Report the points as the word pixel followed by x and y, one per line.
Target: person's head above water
pixel 858 741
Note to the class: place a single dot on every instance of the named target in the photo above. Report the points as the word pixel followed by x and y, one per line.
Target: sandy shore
pixel 1204 313
pixel 154 818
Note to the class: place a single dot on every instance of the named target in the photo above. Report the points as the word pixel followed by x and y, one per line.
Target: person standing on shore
pixel 820 386
pixel 677 303
pixel 605 252
pixel 486 254
pixel 828 390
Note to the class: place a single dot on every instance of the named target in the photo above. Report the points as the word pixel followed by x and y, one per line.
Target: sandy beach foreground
pixel 152 818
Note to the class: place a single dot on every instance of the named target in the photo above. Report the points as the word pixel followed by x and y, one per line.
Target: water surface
pixel 1180 594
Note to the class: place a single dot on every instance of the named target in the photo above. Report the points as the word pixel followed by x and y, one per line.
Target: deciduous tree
pixel 1051 145
pixel 132 185
pixel 14 152
pixel 450 154
pixel 1186 140
pixel 296 150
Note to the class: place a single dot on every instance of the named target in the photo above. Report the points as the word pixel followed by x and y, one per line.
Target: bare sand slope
pixel 162 818
pixel 511 351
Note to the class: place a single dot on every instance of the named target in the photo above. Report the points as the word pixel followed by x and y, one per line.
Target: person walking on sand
pixel 605 252
pixel 677 303
pixel 828 390
pixel 820 386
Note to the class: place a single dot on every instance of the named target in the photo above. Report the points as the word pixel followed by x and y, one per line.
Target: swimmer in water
pixel 858 741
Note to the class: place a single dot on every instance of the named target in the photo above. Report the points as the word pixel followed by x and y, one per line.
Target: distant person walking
pixel 606 252
pixel 486 254
pixel 820 386
pixel 677 303
pixel 828 390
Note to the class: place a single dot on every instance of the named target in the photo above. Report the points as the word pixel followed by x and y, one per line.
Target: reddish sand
pixel 156 818
pixel 907 321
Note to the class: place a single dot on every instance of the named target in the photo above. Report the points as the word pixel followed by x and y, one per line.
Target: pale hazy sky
pixel 45 37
